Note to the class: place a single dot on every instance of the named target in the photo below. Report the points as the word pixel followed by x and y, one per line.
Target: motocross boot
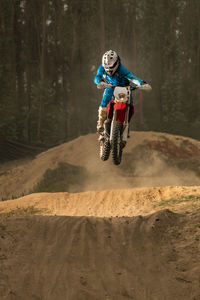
pixel 107 125
pixel 102 117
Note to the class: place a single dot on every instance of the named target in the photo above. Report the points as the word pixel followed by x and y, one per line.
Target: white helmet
pixel 110 62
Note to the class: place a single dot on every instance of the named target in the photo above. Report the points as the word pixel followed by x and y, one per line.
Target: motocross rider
pixel 113 72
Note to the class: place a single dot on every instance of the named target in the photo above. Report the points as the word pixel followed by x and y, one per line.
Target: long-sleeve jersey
pixel 120 78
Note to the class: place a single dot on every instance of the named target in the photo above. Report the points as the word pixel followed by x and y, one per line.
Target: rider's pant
pixel 107 97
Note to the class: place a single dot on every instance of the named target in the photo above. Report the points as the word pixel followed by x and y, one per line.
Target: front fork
pixel 126 125
pixel 113 121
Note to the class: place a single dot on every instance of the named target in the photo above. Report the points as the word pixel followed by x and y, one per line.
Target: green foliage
pixel 20 211
pixel 181 199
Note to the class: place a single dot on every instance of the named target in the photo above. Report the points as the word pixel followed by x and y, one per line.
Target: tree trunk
pixel 102 26
pixel 134 38
pixel 75 17
pixel 198 58
pixel 42 65
pixel 70 104
pixel 19 72
pixel 141 111
pixel 43 48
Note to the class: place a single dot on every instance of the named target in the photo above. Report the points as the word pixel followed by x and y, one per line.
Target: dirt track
pixel 121 243
pixel 85 258
pixel 152 257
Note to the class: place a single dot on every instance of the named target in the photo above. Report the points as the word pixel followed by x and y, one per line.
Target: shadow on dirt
pixel 65 178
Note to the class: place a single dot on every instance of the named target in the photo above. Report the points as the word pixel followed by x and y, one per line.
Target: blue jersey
pixel 120 78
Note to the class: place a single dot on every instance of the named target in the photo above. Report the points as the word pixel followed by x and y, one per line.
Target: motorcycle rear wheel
pixel 116 142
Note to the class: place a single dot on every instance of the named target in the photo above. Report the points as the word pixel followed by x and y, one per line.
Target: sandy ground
pixel 108 203
pixel 155 257
pixel 109 245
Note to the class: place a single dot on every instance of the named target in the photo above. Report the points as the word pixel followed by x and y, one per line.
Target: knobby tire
pixel 116 142
pixel 105 149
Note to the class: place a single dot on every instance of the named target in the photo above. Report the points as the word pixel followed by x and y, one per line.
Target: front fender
pixel 120 105
pixel 121 110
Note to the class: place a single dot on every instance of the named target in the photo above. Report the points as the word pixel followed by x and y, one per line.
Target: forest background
pixel 50 51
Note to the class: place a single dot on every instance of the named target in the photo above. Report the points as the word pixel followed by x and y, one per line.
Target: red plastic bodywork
pixel 121 110
pixel 120 105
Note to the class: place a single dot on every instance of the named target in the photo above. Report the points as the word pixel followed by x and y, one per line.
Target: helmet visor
pixel 111 70
pixel 114 65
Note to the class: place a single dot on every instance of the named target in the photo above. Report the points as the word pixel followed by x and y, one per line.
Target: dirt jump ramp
pixel 153 256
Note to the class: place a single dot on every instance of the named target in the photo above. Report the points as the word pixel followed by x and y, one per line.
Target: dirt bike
pixel 116 127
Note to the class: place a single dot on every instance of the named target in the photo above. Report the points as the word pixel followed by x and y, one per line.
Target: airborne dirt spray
pixel 143 166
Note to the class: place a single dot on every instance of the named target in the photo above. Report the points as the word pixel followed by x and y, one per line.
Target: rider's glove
pixel 145 87
pixel 103 85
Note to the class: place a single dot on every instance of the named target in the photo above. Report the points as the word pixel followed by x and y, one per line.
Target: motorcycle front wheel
pixel 116 142
pixel 104 149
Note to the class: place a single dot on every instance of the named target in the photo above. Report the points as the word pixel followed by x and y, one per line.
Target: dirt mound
pixel 150 159
pixel 155 257
pixel 108 203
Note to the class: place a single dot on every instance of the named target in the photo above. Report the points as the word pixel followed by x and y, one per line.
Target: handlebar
pixel 104 85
